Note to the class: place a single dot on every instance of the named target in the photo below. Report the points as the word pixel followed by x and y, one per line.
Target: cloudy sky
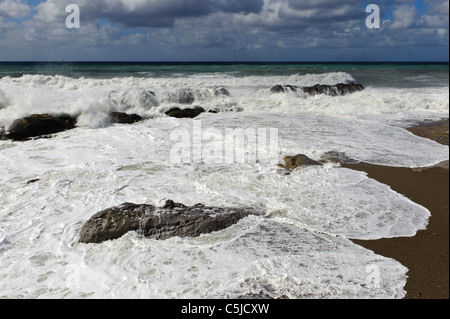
pixel 224 30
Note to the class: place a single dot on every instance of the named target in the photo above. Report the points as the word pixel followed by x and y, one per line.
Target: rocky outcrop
pixel 185 113
pixel 39 125
pixel 123 118
pixel 292 162
pixel 344 89
pixel 171 220
pixel 340 89
pixel 283 88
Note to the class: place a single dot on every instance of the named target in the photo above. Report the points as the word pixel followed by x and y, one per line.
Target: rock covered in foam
pixel 340 89
pixel 38 125
pixel 292 162
pixel 218 91
pixel 283 88
pixel 131 99
pixel 171 220
pixel 182 96
pixel 188 96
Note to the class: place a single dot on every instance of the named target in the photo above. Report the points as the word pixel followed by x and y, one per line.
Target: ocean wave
pixel 196 80
pixel 4 100
pixel 152 97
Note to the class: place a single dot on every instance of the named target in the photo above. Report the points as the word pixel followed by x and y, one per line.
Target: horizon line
pixel 228 62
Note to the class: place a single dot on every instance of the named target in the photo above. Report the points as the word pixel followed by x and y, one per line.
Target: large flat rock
pixel 171 220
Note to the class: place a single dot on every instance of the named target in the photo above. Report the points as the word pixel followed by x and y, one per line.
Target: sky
pixel 224 30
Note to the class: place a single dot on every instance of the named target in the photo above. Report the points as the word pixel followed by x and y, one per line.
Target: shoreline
pixel 426 255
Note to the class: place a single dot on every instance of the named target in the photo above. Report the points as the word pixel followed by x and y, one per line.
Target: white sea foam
pixel 4 101
pixel 57 94
pixel 317 209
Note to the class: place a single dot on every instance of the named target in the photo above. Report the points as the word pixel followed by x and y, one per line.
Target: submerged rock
pixel 123 118
pixel 171 220
pixel 185 113
pixel 188 96
pixel 337 157
pixel 134 98
pixel 218 91
pixel 38 125
pixel 292 162
pixel 182 96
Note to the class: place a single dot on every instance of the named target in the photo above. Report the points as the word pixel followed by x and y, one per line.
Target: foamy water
pixel 301 248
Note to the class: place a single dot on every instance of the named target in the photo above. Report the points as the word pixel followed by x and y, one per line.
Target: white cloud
pixel 437 15
pixel 405 17
pixel 14 9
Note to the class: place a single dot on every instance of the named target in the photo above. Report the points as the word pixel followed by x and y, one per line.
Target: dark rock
pixel 171 220
pixel 123 118
pixel 221 91
pixel 196 111
pixel 38 125
pixel 320 89
pixel 292 162
pixel 277 89
pixel 283 88
pixel 185 113
pixel 327 90
pixel 333 90
pixel 345 89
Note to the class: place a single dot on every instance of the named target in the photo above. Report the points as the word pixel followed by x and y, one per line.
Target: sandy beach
pixel 427 254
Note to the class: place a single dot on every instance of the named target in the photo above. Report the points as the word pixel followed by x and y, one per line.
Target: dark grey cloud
pixel 157 13
pixel 226 29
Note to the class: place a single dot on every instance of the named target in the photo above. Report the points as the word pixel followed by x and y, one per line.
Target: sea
pixel 300 248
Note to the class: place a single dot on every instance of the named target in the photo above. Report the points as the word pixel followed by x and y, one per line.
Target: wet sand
pixel 427 254
pixel 436 131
